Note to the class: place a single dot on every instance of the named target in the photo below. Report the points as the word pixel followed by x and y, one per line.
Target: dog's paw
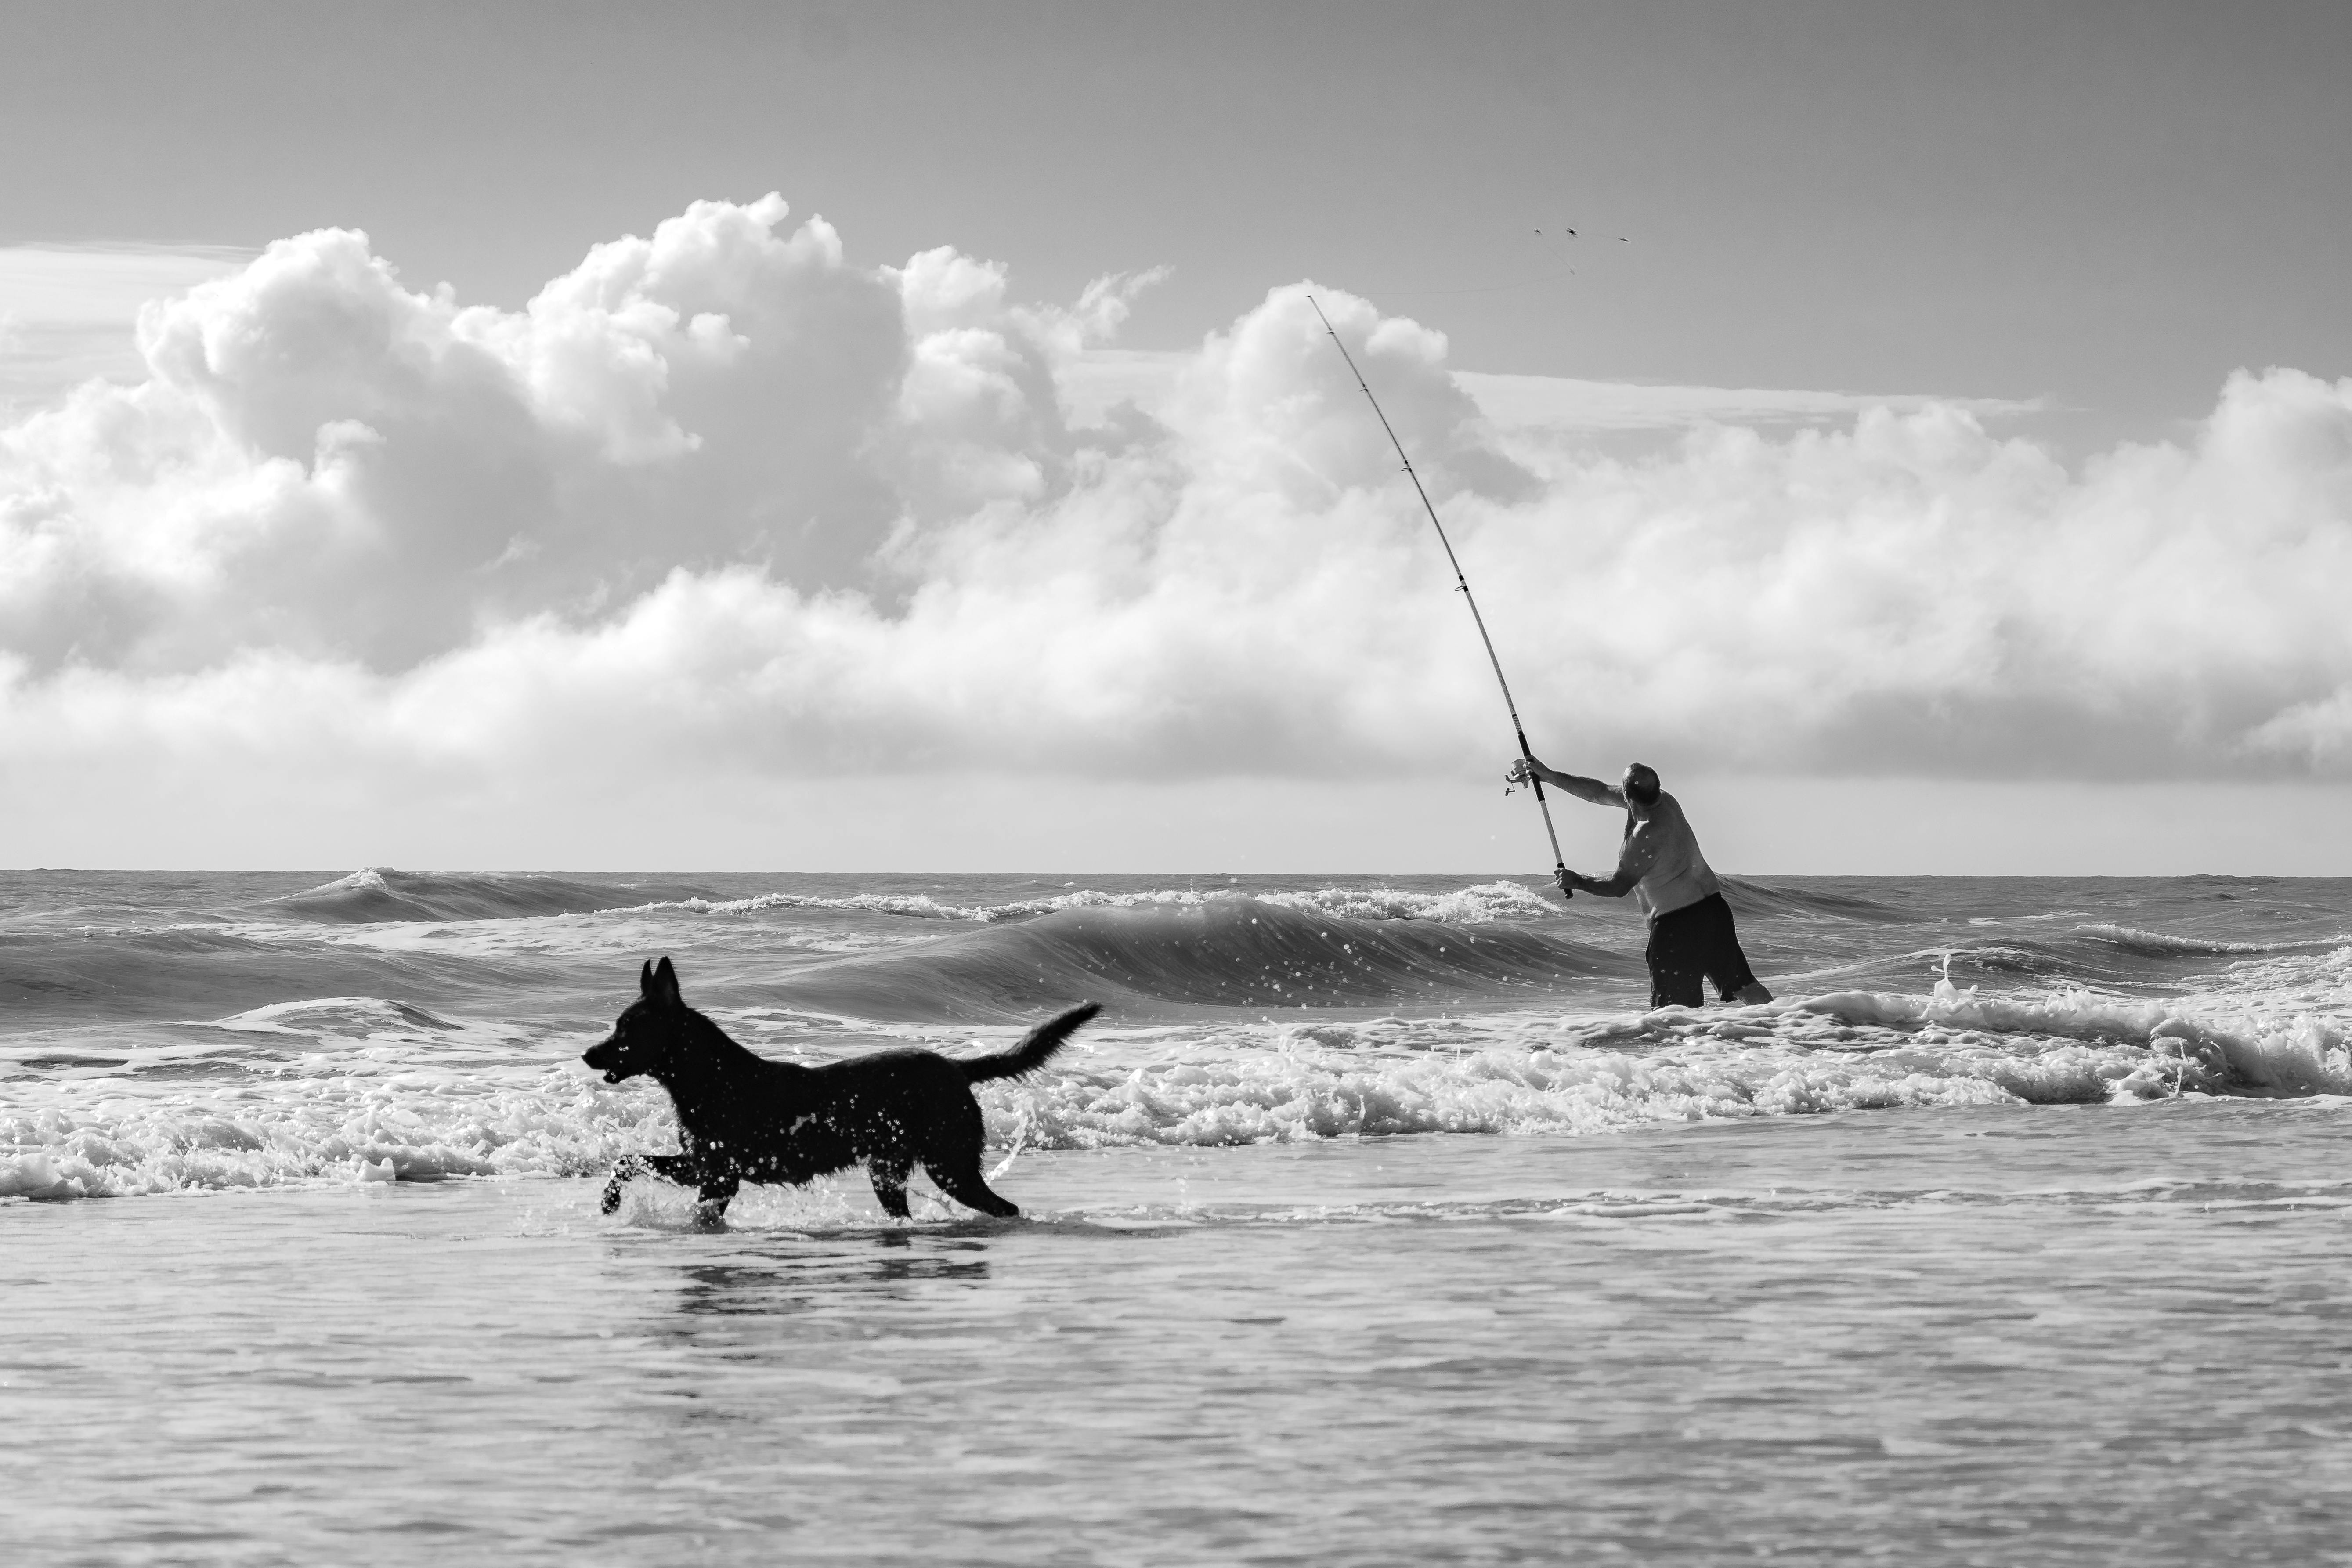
pixel 612 1196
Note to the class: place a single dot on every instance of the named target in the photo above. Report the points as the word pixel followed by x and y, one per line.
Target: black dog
pixel 743 1117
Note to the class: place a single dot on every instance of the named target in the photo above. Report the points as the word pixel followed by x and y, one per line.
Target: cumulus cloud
pixel 725 493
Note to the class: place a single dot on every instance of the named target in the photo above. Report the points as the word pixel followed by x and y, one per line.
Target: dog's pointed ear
pixel 663 986
pixel 646 979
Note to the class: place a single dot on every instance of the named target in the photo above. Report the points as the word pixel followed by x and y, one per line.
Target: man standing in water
pixel 1691 933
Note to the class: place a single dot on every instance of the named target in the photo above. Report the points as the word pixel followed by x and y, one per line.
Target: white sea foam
pixel 2167 942
pixel 1478 905
pixel 367 880
pixel 331 1126
pixel 393 1102
pixel 375 1110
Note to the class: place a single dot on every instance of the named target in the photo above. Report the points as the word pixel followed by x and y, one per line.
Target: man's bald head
pixel 1641 783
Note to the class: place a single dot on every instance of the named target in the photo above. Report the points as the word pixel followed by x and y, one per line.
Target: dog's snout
pixel 604 1056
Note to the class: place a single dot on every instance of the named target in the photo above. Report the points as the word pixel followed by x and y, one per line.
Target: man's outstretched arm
pixel 1616 886
pixel 1632 865
pixel 1593 790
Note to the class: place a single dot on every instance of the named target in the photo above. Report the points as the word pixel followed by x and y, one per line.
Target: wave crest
pixel 1484 904
pixel 379 894
pixel 1229 951
pixel 2164 944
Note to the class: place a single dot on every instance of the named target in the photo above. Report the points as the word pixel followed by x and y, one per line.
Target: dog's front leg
pixel 710 1204
pixel 679 1168
pixel 683 1169
pixel 630 1165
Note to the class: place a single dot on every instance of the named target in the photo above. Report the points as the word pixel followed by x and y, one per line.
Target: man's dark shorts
pixel 1693 944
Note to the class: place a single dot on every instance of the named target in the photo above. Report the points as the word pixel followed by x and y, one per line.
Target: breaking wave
pixel 2164 944
pixel 391 1115
pixel 1481 905
pixel 1224 951
pixel 392 1025
pixel 379 894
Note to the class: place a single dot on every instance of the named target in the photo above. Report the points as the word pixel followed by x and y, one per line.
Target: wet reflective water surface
pixel 2012 1334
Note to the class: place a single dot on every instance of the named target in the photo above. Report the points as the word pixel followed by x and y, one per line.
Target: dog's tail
pixel 1035 1048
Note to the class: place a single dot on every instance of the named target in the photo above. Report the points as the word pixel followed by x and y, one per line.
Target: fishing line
pixel 1462 582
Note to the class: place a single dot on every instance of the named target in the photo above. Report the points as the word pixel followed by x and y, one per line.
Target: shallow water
pixel 2006 1334
pixel 1376 1221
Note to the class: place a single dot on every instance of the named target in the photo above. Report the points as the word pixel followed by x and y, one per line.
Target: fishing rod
pixel 1559 863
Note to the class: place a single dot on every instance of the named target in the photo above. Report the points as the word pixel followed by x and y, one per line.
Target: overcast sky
pixel 776 436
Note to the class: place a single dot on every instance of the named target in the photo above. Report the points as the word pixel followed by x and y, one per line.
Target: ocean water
pixel 1377 1220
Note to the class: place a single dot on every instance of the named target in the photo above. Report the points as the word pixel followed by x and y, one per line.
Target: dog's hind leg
pixel 888 1172
pixel 957 1175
